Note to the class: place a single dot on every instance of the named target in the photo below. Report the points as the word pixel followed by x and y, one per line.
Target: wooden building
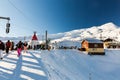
pixel 93 46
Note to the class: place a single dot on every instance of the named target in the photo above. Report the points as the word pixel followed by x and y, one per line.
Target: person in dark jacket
pixel 8 44
pixel 2 47
pixel 19 47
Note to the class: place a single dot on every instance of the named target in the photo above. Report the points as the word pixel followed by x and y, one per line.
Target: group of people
pixel 10 46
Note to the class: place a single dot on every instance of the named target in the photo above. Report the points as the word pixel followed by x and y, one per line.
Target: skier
pixel 2 47
pixel 25 46
pixel 19 48
pixel 8 44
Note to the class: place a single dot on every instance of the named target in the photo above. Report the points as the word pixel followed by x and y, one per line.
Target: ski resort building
pixel 111 43
pixel 34 41
pixel 93 46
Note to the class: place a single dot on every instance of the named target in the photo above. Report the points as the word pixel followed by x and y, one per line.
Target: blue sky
pixel 56 15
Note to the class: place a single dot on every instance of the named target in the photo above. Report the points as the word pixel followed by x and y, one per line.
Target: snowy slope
pixel 74 65
pixel 60 65
pixel 26 67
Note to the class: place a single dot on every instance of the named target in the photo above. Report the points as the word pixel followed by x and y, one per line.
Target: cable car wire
pixel 21 12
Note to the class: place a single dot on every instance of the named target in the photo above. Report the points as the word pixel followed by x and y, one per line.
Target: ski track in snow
pixel 74 65
pixel 60 65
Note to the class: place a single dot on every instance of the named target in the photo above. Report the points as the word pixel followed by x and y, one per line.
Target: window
pixel 95 45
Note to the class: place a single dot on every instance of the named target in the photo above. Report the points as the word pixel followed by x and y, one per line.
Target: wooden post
pixel 46 45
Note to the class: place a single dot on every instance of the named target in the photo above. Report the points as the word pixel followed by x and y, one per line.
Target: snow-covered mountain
pixel 108 30
pixel 74 37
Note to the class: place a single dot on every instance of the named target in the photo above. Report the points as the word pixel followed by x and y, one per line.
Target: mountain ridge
pixel 108 30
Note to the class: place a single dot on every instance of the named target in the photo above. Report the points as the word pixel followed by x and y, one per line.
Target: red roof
pixel 34 37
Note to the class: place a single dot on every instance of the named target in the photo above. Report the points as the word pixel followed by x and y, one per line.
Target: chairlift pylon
pixel 7 24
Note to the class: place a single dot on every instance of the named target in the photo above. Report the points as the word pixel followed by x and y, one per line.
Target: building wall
pixel 85 45
pixel 96 45
pixel 106 44
pixel 93 47
pixel 96 50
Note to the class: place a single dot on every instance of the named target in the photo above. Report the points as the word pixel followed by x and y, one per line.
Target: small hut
pixel 34 41
pixel 93 46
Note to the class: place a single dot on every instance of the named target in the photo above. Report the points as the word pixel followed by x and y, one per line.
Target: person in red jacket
pixel 8 44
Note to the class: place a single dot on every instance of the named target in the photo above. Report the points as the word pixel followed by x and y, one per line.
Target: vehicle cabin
pixel 93 46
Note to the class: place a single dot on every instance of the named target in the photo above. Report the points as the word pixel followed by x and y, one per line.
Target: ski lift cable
pixel 21 12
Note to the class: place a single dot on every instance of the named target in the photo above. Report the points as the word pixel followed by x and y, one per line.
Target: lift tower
pixel 7 24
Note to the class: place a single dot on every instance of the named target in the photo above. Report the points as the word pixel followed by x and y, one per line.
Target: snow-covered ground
pixel 26 67
pixel 60 65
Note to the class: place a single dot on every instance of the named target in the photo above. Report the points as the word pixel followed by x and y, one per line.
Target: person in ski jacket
pixel 25 46
pixel 19 47
pixel 8 44
pixel 2 47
